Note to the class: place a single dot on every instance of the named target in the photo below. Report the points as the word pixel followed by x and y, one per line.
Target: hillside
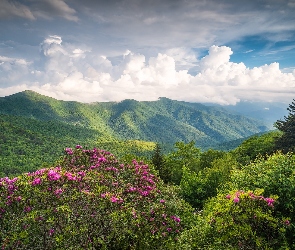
pixel 164 120
pixel 27 143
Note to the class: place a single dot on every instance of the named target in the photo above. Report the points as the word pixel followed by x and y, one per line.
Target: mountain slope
pixel 165 120
pixel 27 143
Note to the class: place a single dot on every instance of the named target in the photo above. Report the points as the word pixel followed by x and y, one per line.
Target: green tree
pixel 159 164
pixel 185 155
pixel 262 145
pixel 286 142
pixel 197 187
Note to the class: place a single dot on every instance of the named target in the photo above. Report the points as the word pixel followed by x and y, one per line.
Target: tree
pixel 185 155
pixel 159 163
pixel 286 142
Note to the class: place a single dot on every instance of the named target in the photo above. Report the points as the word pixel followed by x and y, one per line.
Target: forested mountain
pixel 164 121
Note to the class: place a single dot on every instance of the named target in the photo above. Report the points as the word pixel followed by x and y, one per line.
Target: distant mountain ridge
pixel 164 120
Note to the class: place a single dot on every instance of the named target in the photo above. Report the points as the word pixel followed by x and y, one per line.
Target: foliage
pixel 90 201
pixel 254 146
pixel 197 187
pixel 185 155
pixel 159 164
pixel 26 143
pixel 209 156
pixel 286 142
pixel 276 176
pixel 164 120
pixel 244 220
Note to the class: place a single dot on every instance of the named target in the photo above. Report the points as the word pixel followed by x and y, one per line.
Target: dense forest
pixel 144 194
pixel 37 128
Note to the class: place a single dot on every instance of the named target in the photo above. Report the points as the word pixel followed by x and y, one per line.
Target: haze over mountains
pixel 164 121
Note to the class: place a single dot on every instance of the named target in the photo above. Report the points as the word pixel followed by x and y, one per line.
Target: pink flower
pixel 28 209
pixel 51 231
pixel 236 200
pixel 114 199
pixel 162 201
pixel 228 196
pixel 287 222
pixel 78 146
pixel 69 151
pixel 169 229
pixel 132 189
pixel 269 201
pixel 36 182
pixel 58 191
pixel 53 176
pixel 175 218
pixel 70 176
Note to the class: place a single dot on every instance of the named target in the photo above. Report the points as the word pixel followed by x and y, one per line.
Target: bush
pixel 238 220
pixel 276 176
pixel 90 201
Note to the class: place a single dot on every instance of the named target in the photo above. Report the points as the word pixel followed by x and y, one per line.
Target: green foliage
pixel 26 143
pixel 244 220
pixel 159 163
pixel 185 155
pixel 90 201
pixel 209 156
pixel 197 187
pixel 262 145
pixel 164 120
pixel 286 142
pixel 276 176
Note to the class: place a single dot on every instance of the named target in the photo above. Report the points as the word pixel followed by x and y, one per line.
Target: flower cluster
pixel 236 197
pixel 89 189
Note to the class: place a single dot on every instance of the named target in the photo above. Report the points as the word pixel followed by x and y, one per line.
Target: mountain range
pixel 164 120
pixel 35 129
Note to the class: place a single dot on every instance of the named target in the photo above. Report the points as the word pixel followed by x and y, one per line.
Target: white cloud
pixel 72 73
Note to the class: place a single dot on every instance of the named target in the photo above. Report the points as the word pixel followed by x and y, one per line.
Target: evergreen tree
pixel 286 142
pixel 159 163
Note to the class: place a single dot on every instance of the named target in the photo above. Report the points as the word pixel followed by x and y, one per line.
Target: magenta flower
pixel 287 222
pixel 51 231
pixel 70 176
pixel 162 201
pixel 69 151
pixel 236 200
pixel 78 146
pixel 228 196
pixel 53 176
pixel 269 201
pixel 58 191
pixel 114 199
pixel 36 182
pixel 175 218
pixel 28 209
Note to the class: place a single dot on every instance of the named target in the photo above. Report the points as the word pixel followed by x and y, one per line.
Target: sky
pixel 207 51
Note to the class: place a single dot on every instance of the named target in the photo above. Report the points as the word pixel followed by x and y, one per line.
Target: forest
pixel 145 195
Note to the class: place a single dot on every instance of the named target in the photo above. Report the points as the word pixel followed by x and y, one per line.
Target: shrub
pixel 90 201
pixel 238 220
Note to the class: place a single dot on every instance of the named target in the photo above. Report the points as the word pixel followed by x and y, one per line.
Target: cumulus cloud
pixel 74 73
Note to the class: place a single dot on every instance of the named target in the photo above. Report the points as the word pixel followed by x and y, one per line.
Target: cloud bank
pixel 76 73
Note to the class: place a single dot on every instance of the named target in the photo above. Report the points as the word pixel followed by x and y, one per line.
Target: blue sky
pixel 216 51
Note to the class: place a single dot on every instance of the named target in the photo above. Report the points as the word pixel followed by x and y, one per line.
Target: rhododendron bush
pixel 238 220
pixel 90 201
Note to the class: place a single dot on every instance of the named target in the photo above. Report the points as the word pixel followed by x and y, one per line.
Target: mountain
pixel 164 120
pixel 269 112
